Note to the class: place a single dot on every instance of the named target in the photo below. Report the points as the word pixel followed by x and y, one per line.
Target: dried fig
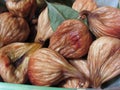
pixel 14 60
pixel 104 21
pixel 71 39
pixel 44 30
pixel 72 83
pixel 80 5
pixel 12 29
pixel 82 66
pixel 22 8
pixel 104 60
pixel 47 67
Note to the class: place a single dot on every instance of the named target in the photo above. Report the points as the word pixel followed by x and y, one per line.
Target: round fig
pixel 71 39
pixel 12 29
pixel 47 67
pixel 22 8
pixel 103 60
pixel 14 60
pixel 104 21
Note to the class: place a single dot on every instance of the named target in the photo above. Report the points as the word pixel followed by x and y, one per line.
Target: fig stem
pixel 84 14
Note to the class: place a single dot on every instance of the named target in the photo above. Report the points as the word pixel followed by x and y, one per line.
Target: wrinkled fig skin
pixel 12 29
pixel 44 30
pixel 71 39
pixel 72 83
pixel 80 5
pixel 105 21
pixel 47 67
pixel 22 8
pixel 11 55
pixel 82 66
pixel 104 60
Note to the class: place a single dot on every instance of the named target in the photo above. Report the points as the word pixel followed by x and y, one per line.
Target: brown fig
pixel 104 21
pixel 47 67
pixel 14 60
pixel 104 60
pixel 80 5
pixel 71 39
pixel 44 30
pixel 12 29
pixel 22 8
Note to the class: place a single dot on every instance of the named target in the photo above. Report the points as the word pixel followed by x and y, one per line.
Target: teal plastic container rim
pixel 10 86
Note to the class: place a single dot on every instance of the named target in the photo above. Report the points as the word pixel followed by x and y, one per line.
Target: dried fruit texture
pixel 12 29
pixel 80 5
pixel 44 30
pixel 47 67
pixel 82 66
pixel 71 39
pixel 104 60
pixel 14 60
pixel 105 21
pixel 72 83
pixel 22 8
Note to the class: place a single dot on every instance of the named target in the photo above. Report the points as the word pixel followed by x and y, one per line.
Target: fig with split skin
pixel 14 60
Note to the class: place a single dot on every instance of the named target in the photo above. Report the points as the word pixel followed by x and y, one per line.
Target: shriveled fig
pixel 12 29
pixel 104 60
pixel 22 8
pixel 71 39
pixel 82 66
pixel 71 83
pixel 44 30
pixel 80 5
pixel 104 21
pixel 14 60
pixel 47 67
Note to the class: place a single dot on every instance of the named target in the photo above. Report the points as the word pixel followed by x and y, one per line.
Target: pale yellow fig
pixel 104 21
pixel 80 5
pixel 104 60
pixel 14 60
pixel 12 29
pixel 47 67
pixel 44 30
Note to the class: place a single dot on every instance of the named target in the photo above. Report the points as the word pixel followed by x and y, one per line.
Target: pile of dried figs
pixel 81 51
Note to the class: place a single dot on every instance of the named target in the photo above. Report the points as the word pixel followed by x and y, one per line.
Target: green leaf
pixel 59 13
pixel 66 2
pixel 113 3
pixel 119 4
